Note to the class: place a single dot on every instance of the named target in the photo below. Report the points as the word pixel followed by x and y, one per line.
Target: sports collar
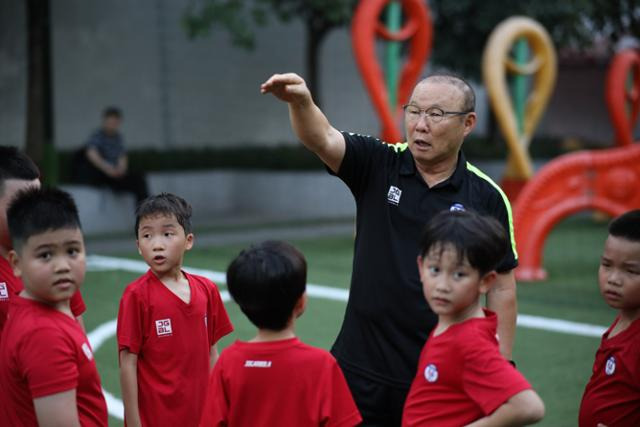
pixel 408 167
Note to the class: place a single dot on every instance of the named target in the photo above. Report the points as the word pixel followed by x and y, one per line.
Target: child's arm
pixel 521 409
pixel 57 409
pixel 213 356
pixel 129 386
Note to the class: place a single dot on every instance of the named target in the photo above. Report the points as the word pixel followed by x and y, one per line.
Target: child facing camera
pixel 275 379
pixel 612 396
pixel 168 323
pixel 48 375
pixel 462 378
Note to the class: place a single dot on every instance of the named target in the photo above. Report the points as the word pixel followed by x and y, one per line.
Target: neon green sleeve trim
pixel 504 199
pixel 398 148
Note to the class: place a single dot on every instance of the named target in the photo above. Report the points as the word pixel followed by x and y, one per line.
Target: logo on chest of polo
pixel 163 327
pixel 4 291
pixel 393 195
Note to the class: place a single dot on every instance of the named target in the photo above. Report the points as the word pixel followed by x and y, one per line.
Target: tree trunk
pixel 39 132
pixel 315 37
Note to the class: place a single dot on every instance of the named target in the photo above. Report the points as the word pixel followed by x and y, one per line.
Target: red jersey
pixel 173 340
pixel 45 352
pixel 461 376
pixel 10 286
pixel 612 396
pixel 285 383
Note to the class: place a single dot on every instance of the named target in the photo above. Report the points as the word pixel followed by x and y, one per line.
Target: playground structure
pixel 516 114
pixel 604 180
pixel 417 31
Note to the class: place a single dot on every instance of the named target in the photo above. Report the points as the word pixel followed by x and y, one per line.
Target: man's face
pixel 11 188
pixel 111 124
pixel 431 143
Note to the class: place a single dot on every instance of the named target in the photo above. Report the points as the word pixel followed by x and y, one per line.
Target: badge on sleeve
pixel 431 373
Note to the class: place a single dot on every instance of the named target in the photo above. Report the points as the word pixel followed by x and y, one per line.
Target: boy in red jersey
pixel 168 323
pixel 275 379
pixel 612 396
pixel 47 370
pixel 17 172
pixel 462 378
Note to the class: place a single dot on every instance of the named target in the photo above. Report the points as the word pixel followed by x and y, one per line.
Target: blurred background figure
pixel 103 161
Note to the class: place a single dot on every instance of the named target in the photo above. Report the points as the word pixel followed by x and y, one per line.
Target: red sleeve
pixel 77 304
pixel 219 323
pixel 130 330
pixel 339 409
pixel 48 361
pixel 487 377
pixel 216 407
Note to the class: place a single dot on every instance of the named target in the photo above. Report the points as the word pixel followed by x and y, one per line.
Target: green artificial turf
pixel 557 364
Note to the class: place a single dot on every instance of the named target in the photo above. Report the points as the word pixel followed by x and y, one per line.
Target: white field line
pixel 105 331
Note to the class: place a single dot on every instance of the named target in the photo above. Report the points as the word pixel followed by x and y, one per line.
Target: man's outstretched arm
pixel 307 120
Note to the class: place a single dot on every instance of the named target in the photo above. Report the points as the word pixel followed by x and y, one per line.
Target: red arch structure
pixel 604 180
pixel 365 28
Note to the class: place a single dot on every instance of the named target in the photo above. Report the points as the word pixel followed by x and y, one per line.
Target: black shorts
pixel 380 404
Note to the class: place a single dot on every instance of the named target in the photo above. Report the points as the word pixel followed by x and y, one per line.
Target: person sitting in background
pixel 103 160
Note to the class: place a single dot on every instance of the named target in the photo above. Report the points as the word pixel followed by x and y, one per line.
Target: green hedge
pixel 289 157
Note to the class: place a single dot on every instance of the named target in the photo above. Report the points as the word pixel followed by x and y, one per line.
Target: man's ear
pixel 419 260
pixel 487 281
pixel 138 246
pixel 14 261
pixel 469 123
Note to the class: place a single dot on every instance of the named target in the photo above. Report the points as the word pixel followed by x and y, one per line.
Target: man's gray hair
pixel 469 96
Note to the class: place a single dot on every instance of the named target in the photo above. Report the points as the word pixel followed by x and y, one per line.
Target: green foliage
pixel 239 17
pixel 616 18
pixel 462 27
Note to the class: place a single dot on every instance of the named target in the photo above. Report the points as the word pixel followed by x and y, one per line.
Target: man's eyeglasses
pixel 433 114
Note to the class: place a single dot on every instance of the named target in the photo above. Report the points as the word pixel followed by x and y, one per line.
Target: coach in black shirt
pixel 397 189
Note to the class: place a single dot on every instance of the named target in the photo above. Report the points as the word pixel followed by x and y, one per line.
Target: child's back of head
pixel 266 281
pixel 35 211
pixel 479 239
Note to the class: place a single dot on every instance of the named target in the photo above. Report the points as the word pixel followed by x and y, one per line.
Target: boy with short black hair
pixel 47 370
pixel 168 323
pixel 612 396
pixel 275 379
pixel 462 378
pixel 17 172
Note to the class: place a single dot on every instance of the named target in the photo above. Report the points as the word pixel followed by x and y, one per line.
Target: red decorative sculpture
pixel 619 97
pixel 417 29
pixel 604 180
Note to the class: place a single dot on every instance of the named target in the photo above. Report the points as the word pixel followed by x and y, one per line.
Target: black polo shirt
pixel 387 319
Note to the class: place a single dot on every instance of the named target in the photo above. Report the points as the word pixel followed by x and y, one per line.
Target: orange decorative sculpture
pixel 496 63
pixel 365 28
pixel 604 180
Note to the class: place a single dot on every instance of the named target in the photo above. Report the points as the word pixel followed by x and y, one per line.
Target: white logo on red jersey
pixel 87 351
pixel 431 373
pixel 4 291
pixel 610 367
pixel 257 363
pixel 163 327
